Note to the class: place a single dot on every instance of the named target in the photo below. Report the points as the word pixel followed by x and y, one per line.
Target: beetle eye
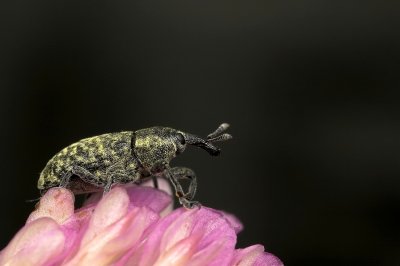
pixel 181 138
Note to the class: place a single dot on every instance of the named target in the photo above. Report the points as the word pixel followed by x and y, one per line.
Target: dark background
pixel 309 87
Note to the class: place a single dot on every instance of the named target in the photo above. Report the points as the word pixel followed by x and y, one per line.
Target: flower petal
pixel 39 242
pixel 113 230
pixel 57 203
pixel 111 208
pixel 163 185
pixel 160 201
pixel 255 256
pixel 180 253
pixel 129 226
pixel 217 230
pixel 233 221
pixel 74 229
pixel 267 259
pixel 151 198
pixel 207 255
pixel 203 228
pixel 111 244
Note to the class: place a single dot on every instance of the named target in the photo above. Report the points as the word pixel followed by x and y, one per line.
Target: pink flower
pixel 128 226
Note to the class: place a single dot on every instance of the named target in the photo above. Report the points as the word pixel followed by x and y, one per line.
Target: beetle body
pixel 96 154
pixel 99 162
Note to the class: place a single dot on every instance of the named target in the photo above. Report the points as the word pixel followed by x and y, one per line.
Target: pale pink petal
pixel 74 229
pixel 180 253
pixel 57 203
pixel 163 185
pixel 111 244
pixel 233 221
pixel 109 237
pixel 151 198
pixel 207 255
pixel 216 235
pixel 267 259
pixel 162 201
pixel 148 252
pixel 255 256
pixel 91 221
pixel 111 208
pixel 38 243
pixel 216 229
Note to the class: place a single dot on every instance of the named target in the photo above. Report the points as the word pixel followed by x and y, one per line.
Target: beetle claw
pixel 188 204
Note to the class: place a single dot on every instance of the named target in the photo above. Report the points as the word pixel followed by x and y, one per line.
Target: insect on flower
pixel 100 162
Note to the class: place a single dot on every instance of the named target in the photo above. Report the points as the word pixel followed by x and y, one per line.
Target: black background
pixel 309 87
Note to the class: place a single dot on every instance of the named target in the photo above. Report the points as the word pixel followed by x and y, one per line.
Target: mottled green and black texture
pixel 99 162
pixel 98 155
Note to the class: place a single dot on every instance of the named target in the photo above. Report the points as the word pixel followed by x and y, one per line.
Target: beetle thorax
pixel 154 148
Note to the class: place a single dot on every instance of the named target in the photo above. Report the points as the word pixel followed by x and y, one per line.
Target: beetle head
pixel 206 144
pixel 155 147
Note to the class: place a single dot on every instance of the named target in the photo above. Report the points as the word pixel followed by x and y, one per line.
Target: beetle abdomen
pixel 95 154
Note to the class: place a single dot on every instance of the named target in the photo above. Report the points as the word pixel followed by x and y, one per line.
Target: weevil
pixel 129 157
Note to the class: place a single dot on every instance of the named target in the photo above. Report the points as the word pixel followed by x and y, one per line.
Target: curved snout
pixel 201 143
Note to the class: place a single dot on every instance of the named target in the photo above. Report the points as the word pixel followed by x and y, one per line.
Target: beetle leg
pixel 187 203
pixel 155 182
pixel 82 173
pixel 108 186
pixel 118 176
pixel 186 173
pixel 121 177
pixel 114 178
pixel 87 176
pixel 65 179
pixel 178 188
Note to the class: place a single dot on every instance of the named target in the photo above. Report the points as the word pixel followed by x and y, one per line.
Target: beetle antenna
pixel 33 200
pixel 222 137
pixel 218 131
